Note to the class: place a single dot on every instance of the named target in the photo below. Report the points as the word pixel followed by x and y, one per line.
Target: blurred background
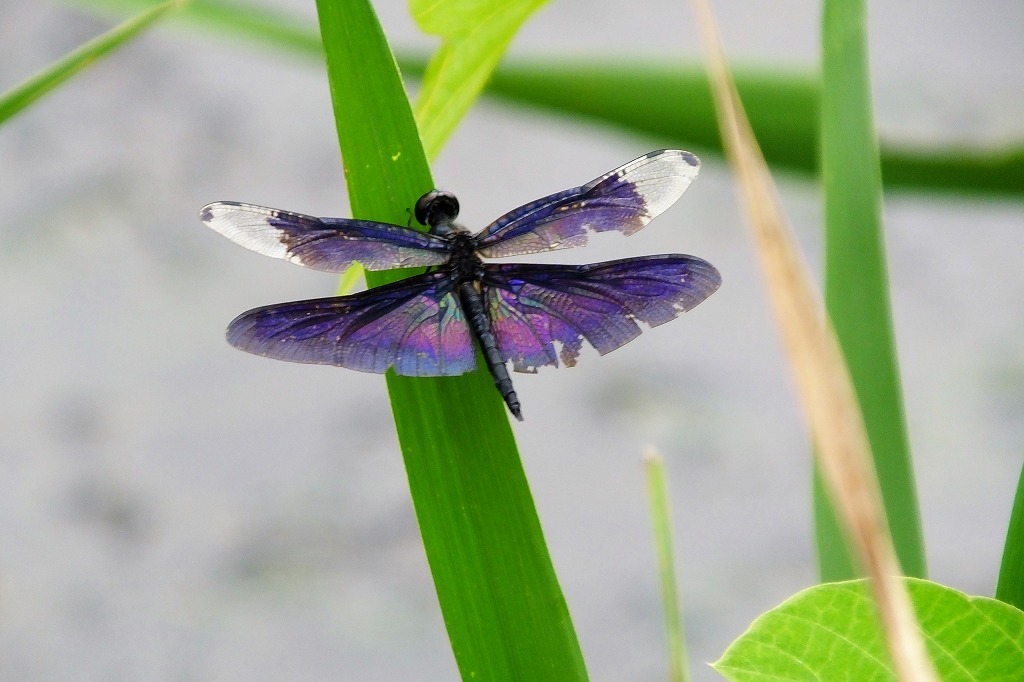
pixel 173 509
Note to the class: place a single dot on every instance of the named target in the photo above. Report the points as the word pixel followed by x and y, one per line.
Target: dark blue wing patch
pixel 623 200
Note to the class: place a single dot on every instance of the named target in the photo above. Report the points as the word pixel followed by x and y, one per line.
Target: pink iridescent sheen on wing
pixel 415 326
pixel 535 307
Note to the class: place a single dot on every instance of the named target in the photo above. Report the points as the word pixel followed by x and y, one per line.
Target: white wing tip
pixel 248 225
pixel 665 175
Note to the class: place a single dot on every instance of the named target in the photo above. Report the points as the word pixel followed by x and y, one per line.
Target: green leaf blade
pixel 857 287
pixel 32 89
pixel 475 36
pixel 1010 587
pixel 671 101
pixel 831 632
pixel 781 103
pixel 257 23
pixel 502 605
pixel 657 489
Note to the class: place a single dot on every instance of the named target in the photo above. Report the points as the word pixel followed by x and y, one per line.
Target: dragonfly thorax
pixel 463 263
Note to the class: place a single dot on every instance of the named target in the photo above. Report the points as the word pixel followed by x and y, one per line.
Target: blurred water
pixel 173 509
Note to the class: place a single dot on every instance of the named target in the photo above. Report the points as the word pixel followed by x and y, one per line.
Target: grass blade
pixel 661 520
pixel 823 382
pixel 30 90
pixel 856 283
pixel 671 102
pixel 257 23
pixel 674 103
pixel 475 37
pixel 502 605
pixel 1010 587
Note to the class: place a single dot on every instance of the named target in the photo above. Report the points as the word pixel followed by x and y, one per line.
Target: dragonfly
pixel 529 315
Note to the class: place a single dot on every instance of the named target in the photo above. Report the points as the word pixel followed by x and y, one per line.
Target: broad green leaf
pixel 831 632
pixel 1010 587
pixel 27 92
pixel 502 605
pixel 857 286
pixel 475 35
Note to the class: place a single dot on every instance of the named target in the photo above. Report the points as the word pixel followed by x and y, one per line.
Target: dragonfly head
pixel 437 209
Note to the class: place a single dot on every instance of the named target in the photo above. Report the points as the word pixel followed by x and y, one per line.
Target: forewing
pixel 624 199
pixel 416 326
pixel 534 307
pixel 329 244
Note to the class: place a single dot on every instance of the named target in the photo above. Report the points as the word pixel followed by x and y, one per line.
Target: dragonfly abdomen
pixel 480 324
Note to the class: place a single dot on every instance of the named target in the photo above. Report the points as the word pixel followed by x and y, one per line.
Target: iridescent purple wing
pixel 329 244
pixel 625 200
pixel 415 326
pixel 533 307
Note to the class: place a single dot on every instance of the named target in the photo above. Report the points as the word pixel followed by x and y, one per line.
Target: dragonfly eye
pixel 436 206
